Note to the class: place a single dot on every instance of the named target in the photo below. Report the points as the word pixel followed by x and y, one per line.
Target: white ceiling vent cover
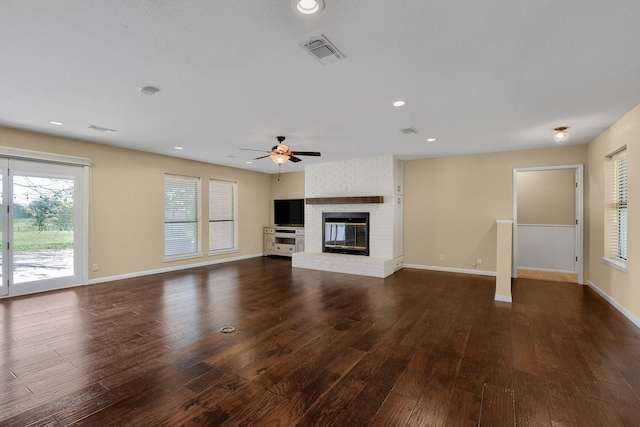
pixel 102 129
pixel 409 131
pixel 321 49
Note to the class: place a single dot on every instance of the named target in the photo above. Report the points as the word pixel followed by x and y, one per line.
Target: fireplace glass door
pixel 346 233
pixel 345 236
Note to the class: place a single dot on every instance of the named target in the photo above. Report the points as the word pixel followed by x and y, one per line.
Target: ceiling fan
pixel 281 153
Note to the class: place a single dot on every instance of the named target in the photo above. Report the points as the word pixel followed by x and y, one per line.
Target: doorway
pixel 548 223
pixel 43 226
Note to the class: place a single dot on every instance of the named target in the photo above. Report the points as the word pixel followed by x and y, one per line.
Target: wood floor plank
pixel 309 392
pixel 370 399
pixel 433 405
pixel 471 375
pixel 394 412
pixel 466 411
pixel 317 349
pixel 414 378
pixel 532 400
pixel 115 406
pixel 625 402
pixel 497 408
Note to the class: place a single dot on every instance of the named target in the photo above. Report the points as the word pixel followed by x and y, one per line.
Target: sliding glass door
pixel 42 226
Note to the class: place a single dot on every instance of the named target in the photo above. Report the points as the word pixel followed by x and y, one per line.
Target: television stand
pixel 283 241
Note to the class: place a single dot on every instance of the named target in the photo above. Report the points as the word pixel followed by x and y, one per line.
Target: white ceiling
pixel 485 76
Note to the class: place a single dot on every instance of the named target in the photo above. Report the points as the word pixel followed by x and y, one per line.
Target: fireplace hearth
pixel 345 233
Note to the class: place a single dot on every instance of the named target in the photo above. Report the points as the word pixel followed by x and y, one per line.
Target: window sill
pixel 617 264
pixel 224 251
pixel 181 257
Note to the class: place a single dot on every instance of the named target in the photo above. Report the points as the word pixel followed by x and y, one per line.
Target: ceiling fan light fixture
pixel 308 7
pixel 278 158
pixel 561 134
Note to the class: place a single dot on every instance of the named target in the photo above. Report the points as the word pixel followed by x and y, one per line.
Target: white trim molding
pixel 614 263
pixel 626 313
pixel 503 298
pixel 170 269
pixel 504 221
pixel 18 153
pixel 451 270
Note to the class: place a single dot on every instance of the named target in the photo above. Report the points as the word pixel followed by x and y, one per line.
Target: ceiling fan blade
pixel 294 159
pixel 251 149
pixel 306 153
pixel 262 157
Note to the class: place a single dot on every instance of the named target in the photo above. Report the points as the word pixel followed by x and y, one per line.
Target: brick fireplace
pixel 340 183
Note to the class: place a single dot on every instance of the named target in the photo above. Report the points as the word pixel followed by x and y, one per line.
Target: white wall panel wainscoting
pixel 547 247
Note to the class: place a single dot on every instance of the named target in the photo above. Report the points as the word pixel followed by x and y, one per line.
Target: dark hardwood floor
pixel 317 349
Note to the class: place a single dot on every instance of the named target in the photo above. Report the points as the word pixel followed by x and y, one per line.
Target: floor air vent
pixel 321 49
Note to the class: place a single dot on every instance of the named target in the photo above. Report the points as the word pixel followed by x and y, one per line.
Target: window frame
pixel 174 180
pixel 620 204
pixel 616 230
pixel 214 184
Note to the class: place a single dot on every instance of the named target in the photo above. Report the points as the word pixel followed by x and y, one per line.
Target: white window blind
pixel 620 204
pixel 180 215
pixel 222 215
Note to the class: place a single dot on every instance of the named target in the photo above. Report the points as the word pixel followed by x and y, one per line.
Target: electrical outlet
pixel 250 247
pixel 94 267
pixel 441 257
pixel 479 260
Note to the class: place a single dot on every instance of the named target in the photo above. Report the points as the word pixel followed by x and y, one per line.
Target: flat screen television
pixel 288 212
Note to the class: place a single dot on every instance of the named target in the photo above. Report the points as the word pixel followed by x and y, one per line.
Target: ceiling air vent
pixel 101 129
pixel 409 131
pixel 321 49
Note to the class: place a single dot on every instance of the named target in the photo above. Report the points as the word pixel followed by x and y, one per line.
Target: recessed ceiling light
pixel 308 7
pixel 178 148
pixel 53 122
pixel 249 163
pixel 399 103
pixel 431 139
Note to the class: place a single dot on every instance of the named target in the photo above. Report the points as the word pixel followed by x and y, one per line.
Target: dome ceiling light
pixel 561 134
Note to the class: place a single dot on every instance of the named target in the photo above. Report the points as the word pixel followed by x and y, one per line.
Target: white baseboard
pixel 547 270
pixel 451 270
pixel 503 298
pixel 169 269
pixel 614 303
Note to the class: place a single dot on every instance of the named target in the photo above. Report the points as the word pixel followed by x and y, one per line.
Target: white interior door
pixel 43 226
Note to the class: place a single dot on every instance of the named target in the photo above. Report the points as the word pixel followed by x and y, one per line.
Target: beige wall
pixel 126 229
pixel 622 287
pixel 286 186
pixel 547 197
pixel 451 204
